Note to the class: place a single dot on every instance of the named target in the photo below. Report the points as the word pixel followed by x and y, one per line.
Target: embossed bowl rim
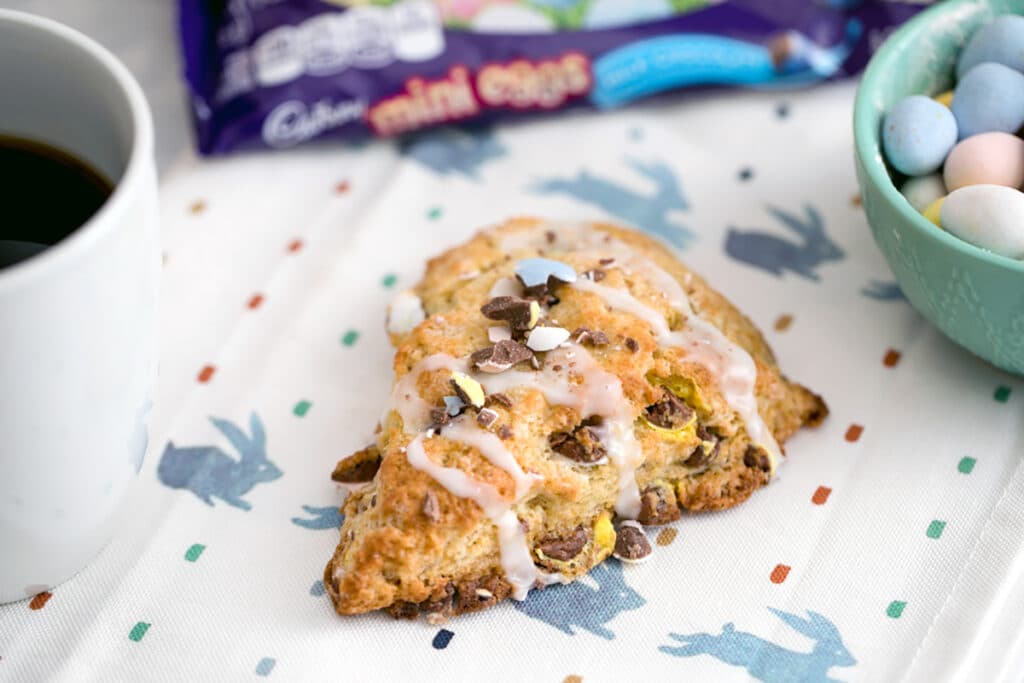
pixel 867 129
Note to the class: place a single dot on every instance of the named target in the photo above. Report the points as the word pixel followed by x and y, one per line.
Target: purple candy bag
pixel 274 73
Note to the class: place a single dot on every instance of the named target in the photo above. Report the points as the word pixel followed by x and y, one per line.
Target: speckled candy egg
pixel 923 190
pixel 990 97
pixel 917 134
pixel 1000 41
pixel 989 216
pixel 986 159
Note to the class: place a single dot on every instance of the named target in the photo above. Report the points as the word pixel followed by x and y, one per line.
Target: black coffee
pixel 45 195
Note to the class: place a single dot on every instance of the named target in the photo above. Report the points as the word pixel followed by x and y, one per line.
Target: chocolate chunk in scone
pixel 514 453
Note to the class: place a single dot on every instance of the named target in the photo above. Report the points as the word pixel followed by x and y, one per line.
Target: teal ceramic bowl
pixel 974 296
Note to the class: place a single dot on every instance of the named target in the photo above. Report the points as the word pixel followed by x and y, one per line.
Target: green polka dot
pixel 194 551
pixel 138 631
pixel 434 213
pixel 389 280
pixel 349 338
pixel 935 529
pixel 301 408
pixel 966 465
pixel 895 609
pixel 1002 394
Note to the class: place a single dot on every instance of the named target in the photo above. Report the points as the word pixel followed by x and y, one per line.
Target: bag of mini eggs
pixel 275 73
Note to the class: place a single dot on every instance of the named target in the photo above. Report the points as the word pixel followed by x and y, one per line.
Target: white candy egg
pixel 923 190
pixel 988 216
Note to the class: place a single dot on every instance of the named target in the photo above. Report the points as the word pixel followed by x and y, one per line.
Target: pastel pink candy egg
pixel 985 159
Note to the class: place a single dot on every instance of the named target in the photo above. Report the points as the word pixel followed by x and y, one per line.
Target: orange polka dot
pixel 206 373
pixel 853 432
pixel 821 495
pixel 40 600
pixel 295 245
pixel 780 573
pixel 255 301
pixel 892 357
pixel 783 322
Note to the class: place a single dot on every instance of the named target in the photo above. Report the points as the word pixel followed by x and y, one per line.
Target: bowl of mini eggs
pixel 940 160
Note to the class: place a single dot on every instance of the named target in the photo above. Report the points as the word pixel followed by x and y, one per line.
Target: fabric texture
pixel 888 548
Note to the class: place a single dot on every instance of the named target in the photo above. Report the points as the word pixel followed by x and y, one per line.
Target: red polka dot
pixel 780 573
pixel 853 432
pixel 295 245
pixel 342 187
pixel 892 357
pixel 255 301
pixel 821 495
pixel 206 373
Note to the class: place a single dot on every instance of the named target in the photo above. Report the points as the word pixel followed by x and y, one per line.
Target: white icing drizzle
pixel 491 447
pixel 516 562
pixel 405 397
pixel 704 343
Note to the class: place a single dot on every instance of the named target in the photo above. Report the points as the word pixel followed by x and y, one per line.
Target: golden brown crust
pixel 409 545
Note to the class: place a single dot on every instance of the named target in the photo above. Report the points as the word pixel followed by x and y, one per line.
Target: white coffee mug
pixel 78 320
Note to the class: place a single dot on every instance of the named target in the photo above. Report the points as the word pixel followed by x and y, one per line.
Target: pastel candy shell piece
pixel 990 97
pixel 987 216
pixel 985 159
pixel 917 134
pixel 1001 41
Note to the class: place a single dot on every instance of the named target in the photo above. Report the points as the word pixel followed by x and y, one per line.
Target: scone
pixel 558 387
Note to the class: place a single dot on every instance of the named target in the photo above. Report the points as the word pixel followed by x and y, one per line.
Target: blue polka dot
pixel 265 666
pixel 441 640
pixel 317 589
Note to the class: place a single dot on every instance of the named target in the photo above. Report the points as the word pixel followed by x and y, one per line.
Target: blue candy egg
pixel 990 97
pixel 1000 41
pixel 917 134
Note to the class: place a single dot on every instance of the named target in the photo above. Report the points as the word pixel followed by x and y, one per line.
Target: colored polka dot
pixel 441 640
pixel 746 174
pixel 194 551
pixel 895 609
pixel 294 245
pixel 666 536
pixel 891 358
pixel 301 408
pixel 966 465
pixel 853 432
pixel 783 322
pixel 138 631
pixel 198 206
pixel 389 280
pixel 636 134
pixel 821 495
pixel 856 201
pixel 572 678
pixel 782 110
pixel 255 301
pixel 780 573
pixel 317 589
pixel 40 600
pixel 349 338
pixel 1002 394
pixel 935 529
pixel 206 373
pixel 265 666
pixel 342 187
pixel 434 213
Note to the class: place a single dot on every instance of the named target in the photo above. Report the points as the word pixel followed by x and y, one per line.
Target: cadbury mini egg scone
pixel 558 388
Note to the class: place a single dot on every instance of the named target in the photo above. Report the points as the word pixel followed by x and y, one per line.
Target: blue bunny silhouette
pixel 329 517
pixel 577 604
pixel 454 150
pixel 210 473
pixel 648 212
pixel 776 255
pixel 766 661
pixel 883 291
